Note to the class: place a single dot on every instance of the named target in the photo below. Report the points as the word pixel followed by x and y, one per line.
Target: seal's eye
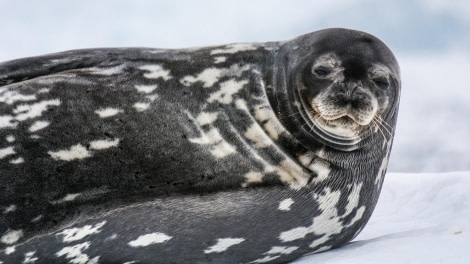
pixel 382 83
pixel 321 71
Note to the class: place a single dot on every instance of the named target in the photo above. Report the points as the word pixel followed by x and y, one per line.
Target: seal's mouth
pixel 343 117
pixel 340 122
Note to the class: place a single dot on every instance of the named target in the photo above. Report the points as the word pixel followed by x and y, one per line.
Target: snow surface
pixel 420 218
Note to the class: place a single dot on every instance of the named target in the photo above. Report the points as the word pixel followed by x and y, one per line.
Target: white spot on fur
pixel 252 177
pixel 10 138
pixel 155 72
pixel 9 209
pixel 38 125
pixel 206 118
pixel 234 48
pixel 242 105
pixel 208 77
pixel 262 113
pixel 31 111
pixel 256 134
pixel 10 250
pixel 77 233
pixel 324 248
pixel 329 222
pixel 353 198
pixel 75 254
pixel 106 70
pixel 295 233
pixel 104 144
pixel 219 59
pixel 326 224
pixel 151 98
pixel 28 257
pixel 7 121
pixel 274 253
pixel 43 90
pixel 223 244
pixel 11 97
pixel 149 239
pixel 285 205
pixel 266 259
pixel 319 241
pixel 36 219
pixel 111 237
pixel 383 166
pixel 75 152
pixel 319 166
pixel 219 147
pixel 108 112
pixel 223 149
pixel 292 174
pixel 281 250
pixel 358 216
pixel 11 236
pixel 5 152
pixel 227 89
pixel 272 130
pixel 145 88
pixel 204 139
pixel 67 198
pixel 18 160
pixel 141 106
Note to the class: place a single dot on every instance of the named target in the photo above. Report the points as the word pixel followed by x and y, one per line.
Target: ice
pixel 419 219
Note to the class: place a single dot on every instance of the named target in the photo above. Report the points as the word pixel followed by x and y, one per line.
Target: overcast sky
pixel 36 27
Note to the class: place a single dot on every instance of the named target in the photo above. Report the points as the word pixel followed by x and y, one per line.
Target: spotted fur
pixel 201 155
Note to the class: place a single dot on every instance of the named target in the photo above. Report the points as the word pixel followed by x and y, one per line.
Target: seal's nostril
pixel 353 87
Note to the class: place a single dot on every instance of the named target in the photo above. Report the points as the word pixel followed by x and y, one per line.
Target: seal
pixel 240 153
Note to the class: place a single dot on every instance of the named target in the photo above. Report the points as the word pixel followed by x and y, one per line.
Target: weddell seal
pixel 242 153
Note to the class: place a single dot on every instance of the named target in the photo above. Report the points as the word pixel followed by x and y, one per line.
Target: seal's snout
pixel 350 94
pixel 346 101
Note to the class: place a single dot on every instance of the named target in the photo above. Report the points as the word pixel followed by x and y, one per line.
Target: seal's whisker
pixel 383 128
pixel 379 129
pixel 380 122
pixel 383 122
pixel 294 114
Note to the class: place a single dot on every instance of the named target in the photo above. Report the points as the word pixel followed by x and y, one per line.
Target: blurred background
pixel 431 39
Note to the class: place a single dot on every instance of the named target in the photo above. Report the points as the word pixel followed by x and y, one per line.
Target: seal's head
pixel 347 83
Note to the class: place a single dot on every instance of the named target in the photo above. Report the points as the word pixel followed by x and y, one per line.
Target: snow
pixel 420 218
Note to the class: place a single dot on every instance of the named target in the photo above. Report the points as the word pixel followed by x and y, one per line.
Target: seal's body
pixel 244 153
